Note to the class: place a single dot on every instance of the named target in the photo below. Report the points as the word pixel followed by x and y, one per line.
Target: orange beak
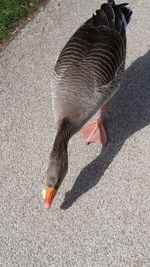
pixel 48 195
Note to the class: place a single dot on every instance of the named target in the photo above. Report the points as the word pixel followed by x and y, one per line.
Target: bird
pixel 87 74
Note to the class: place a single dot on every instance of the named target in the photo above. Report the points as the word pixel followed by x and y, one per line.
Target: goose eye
pixel 53 179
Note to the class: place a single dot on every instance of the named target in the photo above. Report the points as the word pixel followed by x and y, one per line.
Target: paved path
pixel 101 215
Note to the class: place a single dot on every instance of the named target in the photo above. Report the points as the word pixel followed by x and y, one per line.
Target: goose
pixel 87 74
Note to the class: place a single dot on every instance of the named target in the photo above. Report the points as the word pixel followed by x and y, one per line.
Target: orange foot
pixel 95 133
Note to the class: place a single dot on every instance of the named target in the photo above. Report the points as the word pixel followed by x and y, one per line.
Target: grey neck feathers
pixel 64 133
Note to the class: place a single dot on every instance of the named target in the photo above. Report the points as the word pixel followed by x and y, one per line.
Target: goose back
pixel 91 64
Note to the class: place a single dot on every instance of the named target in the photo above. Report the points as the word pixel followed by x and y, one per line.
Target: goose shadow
pixel 127 112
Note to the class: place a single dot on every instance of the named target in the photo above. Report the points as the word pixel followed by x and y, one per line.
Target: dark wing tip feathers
pixel 111 2
pixel 127 12
pixel 106 15
pixel 123 5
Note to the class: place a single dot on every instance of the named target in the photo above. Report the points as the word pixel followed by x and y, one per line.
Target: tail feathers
pixel 109 11
pixel 100 18
pixel 117 15
pixel 127 12
pixel 111 16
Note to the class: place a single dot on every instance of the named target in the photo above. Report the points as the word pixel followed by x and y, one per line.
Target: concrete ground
pixel 101 215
